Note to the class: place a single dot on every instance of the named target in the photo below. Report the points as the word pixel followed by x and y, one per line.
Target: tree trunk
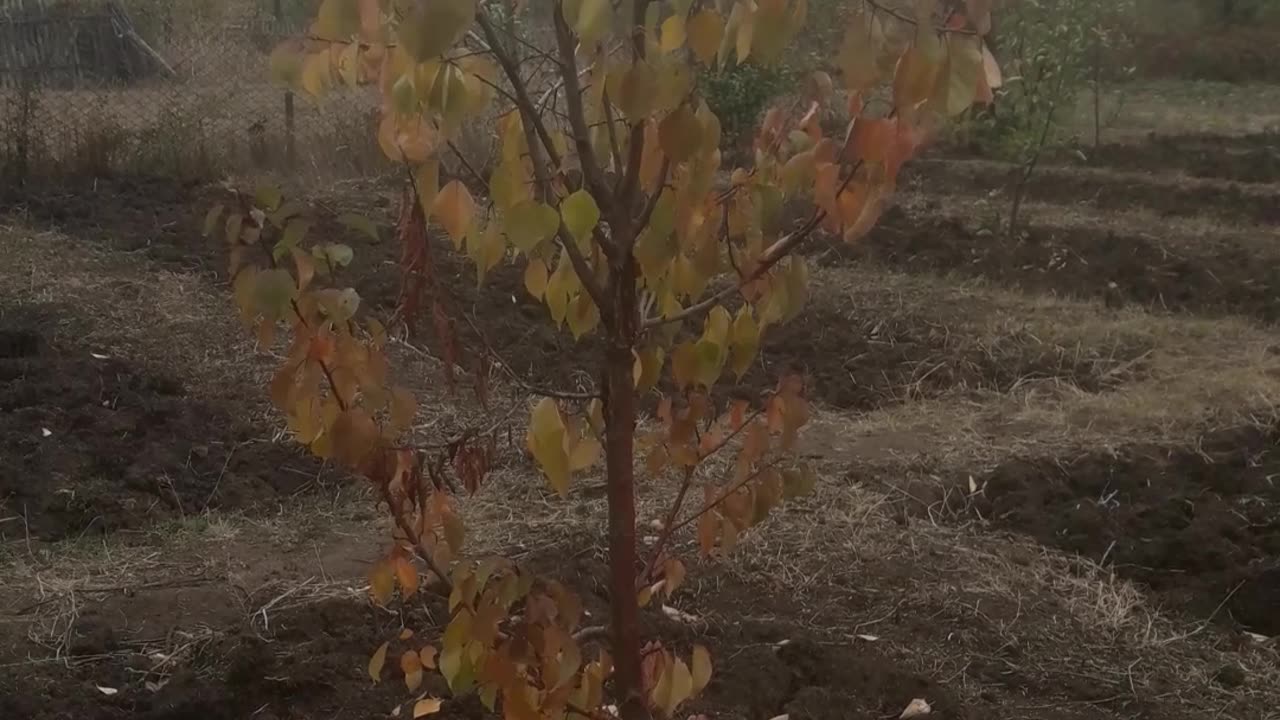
pixel 620 423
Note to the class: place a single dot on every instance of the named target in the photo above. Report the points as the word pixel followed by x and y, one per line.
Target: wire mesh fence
pixel 165 87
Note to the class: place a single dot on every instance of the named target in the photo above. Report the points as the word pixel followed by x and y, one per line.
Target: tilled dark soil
pixel 93 444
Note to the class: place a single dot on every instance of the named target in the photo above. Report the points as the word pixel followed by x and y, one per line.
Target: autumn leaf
pixel 580 214
pixel 427 706
pixel 454 208
pixel 377 661
pixel 382 581
pixel 412 669
pixel 700 668
pixel 407 576
pixel 680 134
pixel 705 29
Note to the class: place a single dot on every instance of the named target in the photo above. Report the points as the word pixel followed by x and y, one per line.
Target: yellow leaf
pixel 454 208
pixel 535 278
pixel 701 668
pixel 337 20
pixel 426 706
pixel 648 367
pixel 486 249
pixel 798 172
pixel 581 215
pixel 964 70
pixel 427 29
pixel 546 442
pixel 745 341
pixel 680 134
pixel 583 315
pixel 376 662
pixel 528 224
pixel 405 634
pixel 593 21
pixel 705 31
pixel 427 179
pixel 317 74
pixel 914 78
pixel 746 30
pixel 673 33
pixel 681 685
pixel 585 454
pixel 636 88
pixel 684 364
pixel 860 52
pixel 382 581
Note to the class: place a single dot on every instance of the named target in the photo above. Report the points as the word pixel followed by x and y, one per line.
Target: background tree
pixel 610 190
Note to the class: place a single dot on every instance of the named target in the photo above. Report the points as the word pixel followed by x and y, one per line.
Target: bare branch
pixel 591 171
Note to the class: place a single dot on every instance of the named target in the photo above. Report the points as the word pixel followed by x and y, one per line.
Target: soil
pixel 129 444
pixel 311 663
pixel 1103 190
pixel 1199 525
pixel 1253 158
pixel 1214 278
pixel 116 445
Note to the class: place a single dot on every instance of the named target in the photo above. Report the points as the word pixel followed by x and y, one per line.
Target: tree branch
pixel 591 171
pixel 522 100
pixel 772 256
pixel 635 150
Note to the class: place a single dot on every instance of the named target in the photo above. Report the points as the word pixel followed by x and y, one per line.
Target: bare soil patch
pixel 94 444
pixel 1106 189
pixel 1197 525
pixel 1117 267
pixel 1248 158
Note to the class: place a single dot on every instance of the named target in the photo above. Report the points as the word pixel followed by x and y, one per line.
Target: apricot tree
pixel 609 191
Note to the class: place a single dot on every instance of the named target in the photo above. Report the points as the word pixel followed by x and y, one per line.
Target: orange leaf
pixel 382 581
pixel 427 656
pixel 870 140
pixel 407 575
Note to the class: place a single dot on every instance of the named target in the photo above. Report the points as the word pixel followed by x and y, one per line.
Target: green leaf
pixel 528 224
pixel 360 224
pixel 581 215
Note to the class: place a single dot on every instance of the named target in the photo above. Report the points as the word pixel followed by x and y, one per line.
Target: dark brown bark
pixel 620 423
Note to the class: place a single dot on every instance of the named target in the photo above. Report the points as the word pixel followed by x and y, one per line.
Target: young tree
pixel 610 191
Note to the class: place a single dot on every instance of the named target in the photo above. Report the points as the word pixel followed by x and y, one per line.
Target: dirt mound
pixel 1103 190
pixel 311 662
pixel 94 444
pixel 1199 525
pixel 1249 158
pixel 1080 262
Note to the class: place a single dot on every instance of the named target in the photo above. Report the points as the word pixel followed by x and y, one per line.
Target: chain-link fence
pixel 175 87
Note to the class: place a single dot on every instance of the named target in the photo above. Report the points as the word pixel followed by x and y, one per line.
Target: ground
pixel 1048 460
